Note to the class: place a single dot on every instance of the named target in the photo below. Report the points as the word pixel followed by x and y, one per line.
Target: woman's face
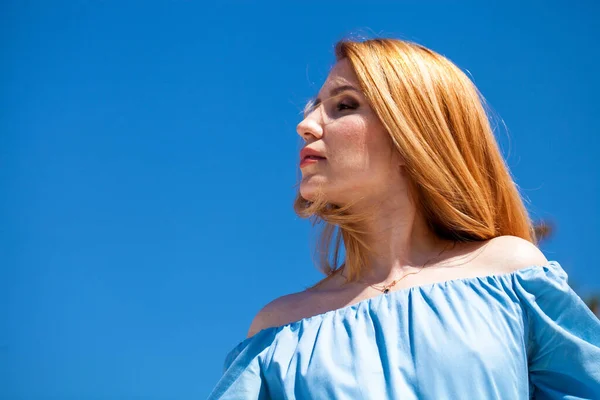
pixel 342 127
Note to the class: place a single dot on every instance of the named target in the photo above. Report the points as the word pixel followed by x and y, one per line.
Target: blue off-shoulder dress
pixel 518 335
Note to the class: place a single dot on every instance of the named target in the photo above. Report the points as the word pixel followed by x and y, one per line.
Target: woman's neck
pixel 400 242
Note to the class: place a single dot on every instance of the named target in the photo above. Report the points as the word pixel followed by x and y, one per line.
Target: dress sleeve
pixel 243 375
pixel 563 336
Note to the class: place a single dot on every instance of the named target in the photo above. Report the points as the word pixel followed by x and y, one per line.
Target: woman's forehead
pixel 340 75
pixel 342 72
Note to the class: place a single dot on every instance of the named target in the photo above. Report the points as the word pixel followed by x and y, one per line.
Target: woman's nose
pixel 310 127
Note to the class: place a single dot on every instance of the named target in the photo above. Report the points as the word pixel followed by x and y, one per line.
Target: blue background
pixel 149 161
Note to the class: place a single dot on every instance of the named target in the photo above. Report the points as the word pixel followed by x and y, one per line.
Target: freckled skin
pixel 360 158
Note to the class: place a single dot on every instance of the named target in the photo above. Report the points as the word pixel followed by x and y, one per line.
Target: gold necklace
pixel 386 288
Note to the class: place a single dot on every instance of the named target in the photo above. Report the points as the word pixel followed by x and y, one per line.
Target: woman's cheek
pixel 347 143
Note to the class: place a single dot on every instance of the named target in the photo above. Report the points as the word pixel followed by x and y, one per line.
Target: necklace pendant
pixel 386 290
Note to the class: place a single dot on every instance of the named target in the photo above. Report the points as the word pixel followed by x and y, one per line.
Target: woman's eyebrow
pixel 334 92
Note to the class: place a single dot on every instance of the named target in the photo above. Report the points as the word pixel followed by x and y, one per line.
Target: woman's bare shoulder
pixel 292 307
pixel 508 253
pixel 277 312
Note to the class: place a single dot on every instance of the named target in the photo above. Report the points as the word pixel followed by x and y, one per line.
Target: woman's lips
pixel 310 160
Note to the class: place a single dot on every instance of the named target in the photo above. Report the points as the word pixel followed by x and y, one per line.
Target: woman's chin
pixel 311 186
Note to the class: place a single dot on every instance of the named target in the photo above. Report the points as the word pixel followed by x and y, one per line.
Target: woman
pixel 443 293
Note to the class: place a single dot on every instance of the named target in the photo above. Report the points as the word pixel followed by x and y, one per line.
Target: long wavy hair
pixel 437 122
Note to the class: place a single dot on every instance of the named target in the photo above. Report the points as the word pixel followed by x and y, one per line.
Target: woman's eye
pixel 345 105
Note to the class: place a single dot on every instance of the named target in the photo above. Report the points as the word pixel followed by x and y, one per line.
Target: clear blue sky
pixel 148 158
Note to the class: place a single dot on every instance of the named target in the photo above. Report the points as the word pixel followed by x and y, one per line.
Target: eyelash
pixel 346 106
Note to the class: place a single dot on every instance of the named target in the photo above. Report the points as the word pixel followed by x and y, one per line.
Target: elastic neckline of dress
pixel 409 289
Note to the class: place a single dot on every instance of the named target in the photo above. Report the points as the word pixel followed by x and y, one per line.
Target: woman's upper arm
pixel 563 344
